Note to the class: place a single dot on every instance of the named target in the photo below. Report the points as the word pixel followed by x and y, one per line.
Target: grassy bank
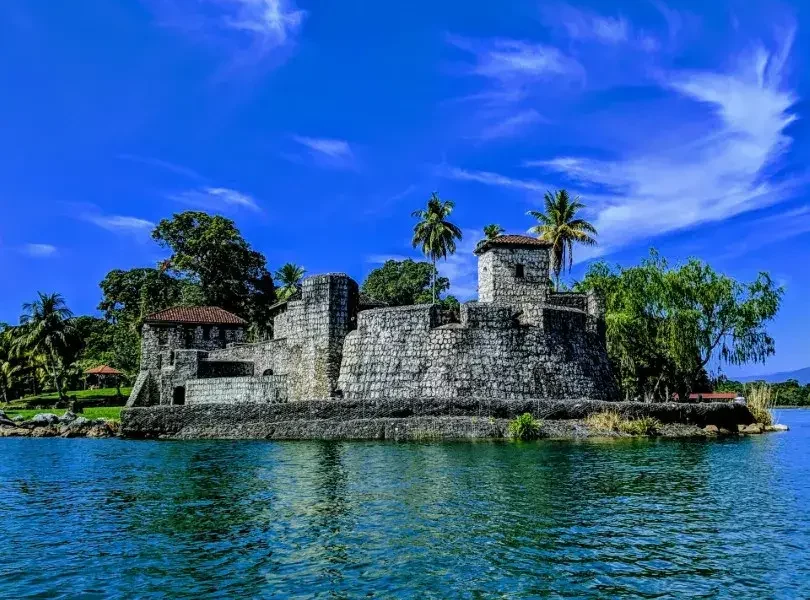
pixel 112 413
pixel 101 395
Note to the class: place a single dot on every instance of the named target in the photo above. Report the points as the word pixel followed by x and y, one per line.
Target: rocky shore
pixel 421 419
pixel 68 425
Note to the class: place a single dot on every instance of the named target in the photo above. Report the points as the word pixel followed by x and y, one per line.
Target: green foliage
pixel 524 427
pixel 610 420
pixel 665 325
pixel 129 296
pixel 760 399
pixel 208 250
pixel 402 283
pixel 492 231
pixel 111 413
pixel 47 332
pixel 786 393
pixel 560 226
pixel 289 277
pixel 434 233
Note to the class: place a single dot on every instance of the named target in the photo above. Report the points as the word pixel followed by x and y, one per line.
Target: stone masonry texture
pixel 520 340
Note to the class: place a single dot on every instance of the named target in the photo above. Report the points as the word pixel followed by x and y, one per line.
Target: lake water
pixel 612 519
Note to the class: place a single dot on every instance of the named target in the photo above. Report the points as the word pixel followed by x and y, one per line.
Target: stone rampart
pixel 396 353
pixel 232 390
pixel 398 419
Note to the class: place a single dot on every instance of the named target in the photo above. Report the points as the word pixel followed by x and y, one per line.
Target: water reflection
pixel 624 518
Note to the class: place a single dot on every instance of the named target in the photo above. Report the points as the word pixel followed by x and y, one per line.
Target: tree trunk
pixel 57 384
pixel 434 280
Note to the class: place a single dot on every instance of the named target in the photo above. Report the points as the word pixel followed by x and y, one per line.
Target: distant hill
pixel 801 375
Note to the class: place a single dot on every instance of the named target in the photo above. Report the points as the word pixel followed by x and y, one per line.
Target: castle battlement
pixel 519 340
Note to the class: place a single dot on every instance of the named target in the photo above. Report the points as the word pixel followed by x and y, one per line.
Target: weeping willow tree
pixel 667 326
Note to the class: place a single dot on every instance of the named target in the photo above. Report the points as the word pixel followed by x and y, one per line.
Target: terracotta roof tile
pixel 510 240
pixel 103 370
pixel 196 315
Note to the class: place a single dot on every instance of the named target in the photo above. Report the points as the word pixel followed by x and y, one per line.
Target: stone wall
pixel 209 368
pixel 499 280
pixel 398 353
pixel 232 390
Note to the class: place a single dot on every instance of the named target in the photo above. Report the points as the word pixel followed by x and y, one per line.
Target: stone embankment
pixel 68 425
pixel 417 419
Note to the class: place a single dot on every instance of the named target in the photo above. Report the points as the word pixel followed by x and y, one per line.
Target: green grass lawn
pixel 51 397
pixel 99 412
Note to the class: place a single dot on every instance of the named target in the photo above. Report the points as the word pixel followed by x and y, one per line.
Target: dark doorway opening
pixel 267 372
pixel 179 395
pixel 519 272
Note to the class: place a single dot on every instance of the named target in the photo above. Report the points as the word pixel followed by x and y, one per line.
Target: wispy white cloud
pixel 215 198
pixel 39 250
pixel 461 268
pixel 768 230
pixel 120 223
pixel 586 26
pixel 514 64
pixel 327 151
pixel 700 179
pixel 490 178
pixel 511 126
pixel 162 164
pixel 251 30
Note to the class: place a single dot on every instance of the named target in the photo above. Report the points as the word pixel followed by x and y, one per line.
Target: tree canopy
pixel 434 233
pixel 401 283
pixel 560 226
pixel 209 250
pixel 667 326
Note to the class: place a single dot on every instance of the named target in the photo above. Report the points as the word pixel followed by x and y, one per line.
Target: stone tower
pixel 513 269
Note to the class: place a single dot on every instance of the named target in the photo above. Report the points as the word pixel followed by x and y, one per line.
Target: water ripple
pixel 618 519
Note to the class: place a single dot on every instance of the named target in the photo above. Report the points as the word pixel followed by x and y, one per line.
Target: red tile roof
pixel 196 315
pixel 103 370
pixel 511 240
pixel 710 396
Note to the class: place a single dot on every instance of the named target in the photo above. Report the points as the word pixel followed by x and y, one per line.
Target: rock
pixel 3 414
pixel 68 416
pixel 711 429
pixel 777 427
pixel 44 419
pixel 752 428
pixel 18 418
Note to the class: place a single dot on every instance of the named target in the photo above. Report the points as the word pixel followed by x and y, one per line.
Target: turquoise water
pixel 622 519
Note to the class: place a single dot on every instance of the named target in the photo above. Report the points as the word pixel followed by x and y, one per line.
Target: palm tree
pixel 492 231
pixel 8 367
pixel 434 232
pixel 559 226
pixel 46 330
pixel 289 278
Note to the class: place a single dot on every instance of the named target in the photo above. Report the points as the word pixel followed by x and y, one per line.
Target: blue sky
pixel 318 126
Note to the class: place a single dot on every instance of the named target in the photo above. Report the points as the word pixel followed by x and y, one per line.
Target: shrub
pixel 760 399
pixel 524 427
pixel 642 426
pixel 610 420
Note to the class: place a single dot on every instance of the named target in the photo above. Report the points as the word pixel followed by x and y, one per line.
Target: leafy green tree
pixel 9 367
pixel 434 233
pixel 560 226
pixel 289 277
pixel 46 331
pixel 666 326
pixel 402 283
pixel 129 296
pixel 209 250
pixel 492 231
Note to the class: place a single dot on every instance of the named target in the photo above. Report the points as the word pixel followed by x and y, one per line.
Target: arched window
pixel 267 372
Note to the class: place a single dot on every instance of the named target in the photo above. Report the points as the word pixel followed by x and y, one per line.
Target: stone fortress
pixel 520 340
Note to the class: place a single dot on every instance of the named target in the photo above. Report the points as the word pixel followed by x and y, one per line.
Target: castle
pixel 520 340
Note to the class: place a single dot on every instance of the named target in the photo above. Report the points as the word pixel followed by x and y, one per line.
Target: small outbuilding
pixel 102 375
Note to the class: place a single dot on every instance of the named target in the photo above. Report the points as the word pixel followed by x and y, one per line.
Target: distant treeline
pixel 786 393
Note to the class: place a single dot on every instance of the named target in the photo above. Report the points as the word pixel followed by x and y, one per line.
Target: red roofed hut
pixel 102 373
